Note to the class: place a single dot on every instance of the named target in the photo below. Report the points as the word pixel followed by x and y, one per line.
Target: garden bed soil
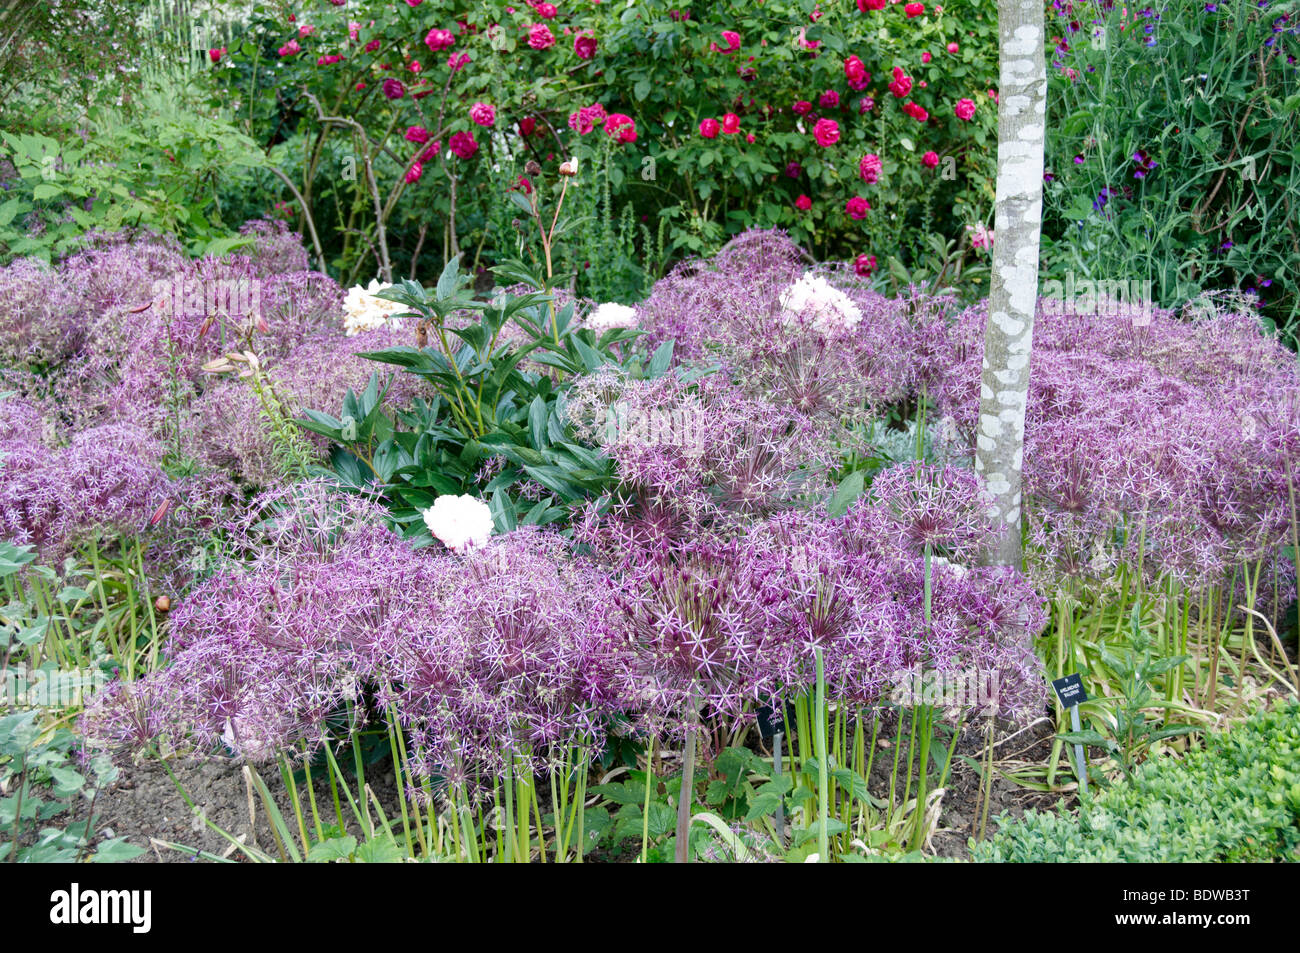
pixel 145 807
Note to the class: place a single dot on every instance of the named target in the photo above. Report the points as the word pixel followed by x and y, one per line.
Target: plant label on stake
pixel 771 726
pixel 1070 691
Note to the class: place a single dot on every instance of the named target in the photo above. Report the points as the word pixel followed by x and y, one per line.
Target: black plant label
pixel 1070 690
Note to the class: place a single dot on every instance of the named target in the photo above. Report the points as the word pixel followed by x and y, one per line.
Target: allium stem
pixel 682 853
pixel 645 812
pixel 311 796
pixel 929 585
pixel 582 807
pixel 286 772
pixel 1295 518
pixel 925 714
pixel 823 774
pixel 394 728
pixel 512 845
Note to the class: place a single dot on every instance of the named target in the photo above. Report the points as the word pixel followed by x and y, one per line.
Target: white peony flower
pixel 362 311
pixel 611 315
pixel 830 308
pixel 460 522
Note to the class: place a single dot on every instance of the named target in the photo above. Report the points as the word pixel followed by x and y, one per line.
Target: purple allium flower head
pixel 509 650
pixel 694 456
pixel 1146 434
pixel 731 308
pixel 943 508
pixel 106 478
pixel 40 314
pixel 275 249
pixel 228 429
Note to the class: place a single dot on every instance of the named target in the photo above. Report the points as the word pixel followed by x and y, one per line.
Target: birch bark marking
pixel 1008 336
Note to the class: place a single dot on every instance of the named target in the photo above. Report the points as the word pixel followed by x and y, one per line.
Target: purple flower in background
pixel 1145 164
pixel 1135 438
pixel 393 89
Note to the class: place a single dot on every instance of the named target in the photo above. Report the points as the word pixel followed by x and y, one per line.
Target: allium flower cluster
pixel 106 478
pixel 1149 438
pixel 825 369
pixel 850 593
pixel 507 651
pixel 269 649
pixel 693 458
pixel 520 659
pixel 41 314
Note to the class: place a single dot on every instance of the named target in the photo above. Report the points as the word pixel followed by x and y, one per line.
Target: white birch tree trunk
pixel 1018 215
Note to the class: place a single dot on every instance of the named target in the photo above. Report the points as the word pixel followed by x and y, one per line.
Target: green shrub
pixel 1236 799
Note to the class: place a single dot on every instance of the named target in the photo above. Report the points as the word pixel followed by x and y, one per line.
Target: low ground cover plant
pixel 1237 798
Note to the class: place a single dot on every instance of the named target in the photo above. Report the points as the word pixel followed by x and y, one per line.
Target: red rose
pixel 621 127
pixel 731 38
pixel 869 168
pixel 584 44
pixel 826 132
pixel 902 84
pixel 803 203
pixel 463 144
pixel 730 124
pixel 437 40
pixel 710 128
pixel 857 207
pixel 540 37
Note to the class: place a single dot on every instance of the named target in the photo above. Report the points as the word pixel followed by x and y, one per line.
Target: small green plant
pixel 497 394
pixel 40 780
pixel 1130 730
pixel 1236 799
pixel 51 656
